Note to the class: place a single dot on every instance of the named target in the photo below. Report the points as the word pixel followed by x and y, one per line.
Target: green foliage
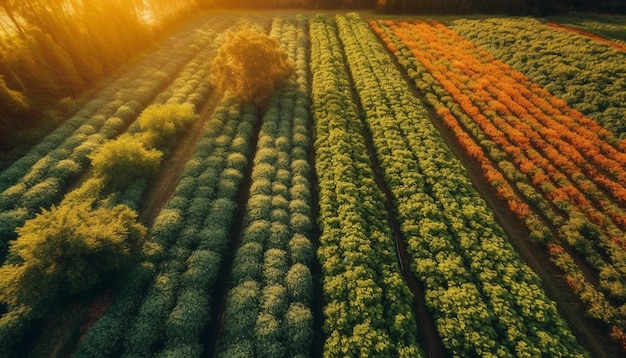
pixel 160 123
pixel 241 315
pixel 268 334
pixel 66 251
pixel 124 160
pixel 300 283
pixel 251 66
pixel 247 263
pixel 299 322
pixel 301 250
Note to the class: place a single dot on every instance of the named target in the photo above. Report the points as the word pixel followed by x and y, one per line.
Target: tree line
pixel 51 51
pixel 533 7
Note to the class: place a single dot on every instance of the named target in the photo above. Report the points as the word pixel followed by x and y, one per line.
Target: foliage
pixel 363 288
pixel 66 251
pixel 559 61
pixel 122 161
pixel 250 66
pixel 161 123
pixel 11 101
pixel 503 119
pixel 269 241
pixel 446 222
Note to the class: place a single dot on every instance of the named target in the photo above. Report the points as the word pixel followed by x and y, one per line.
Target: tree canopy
pixel 251 66
pixel 67 250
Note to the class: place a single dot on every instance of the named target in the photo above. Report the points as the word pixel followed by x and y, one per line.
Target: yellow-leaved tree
pixel 66 251
pixel 250 65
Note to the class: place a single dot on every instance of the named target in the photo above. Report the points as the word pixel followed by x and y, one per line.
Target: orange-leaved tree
pixel 250 65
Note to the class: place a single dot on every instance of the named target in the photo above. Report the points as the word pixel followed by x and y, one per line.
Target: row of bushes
pixel 268 309
pixel 368 309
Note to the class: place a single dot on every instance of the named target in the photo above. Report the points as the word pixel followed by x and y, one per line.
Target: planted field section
pixel 368 308
pixel 485 300
pixel 559 171
pixel 590 76
pixel 268 309
pixel 42 176
pixel 164 304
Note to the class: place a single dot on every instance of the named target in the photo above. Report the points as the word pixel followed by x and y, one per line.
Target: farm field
pixel 419 187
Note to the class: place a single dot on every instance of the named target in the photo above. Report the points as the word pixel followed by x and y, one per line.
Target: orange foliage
pixel 619 336
pixel 536 129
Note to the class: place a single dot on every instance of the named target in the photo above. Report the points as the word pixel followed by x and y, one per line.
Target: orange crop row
pixel 613 44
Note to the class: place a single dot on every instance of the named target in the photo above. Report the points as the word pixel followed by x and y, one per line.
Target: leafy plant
pixel 250 66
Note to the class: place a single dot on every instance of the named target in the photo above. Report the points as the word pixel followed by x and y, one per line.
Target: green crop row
pixel 268 307
pixel 368 308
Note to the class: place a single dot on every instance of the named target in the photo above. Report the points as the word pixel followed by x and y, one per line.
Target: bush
pixel 251 66
pixel 242 309
pixel 247 263
pixel 122 161
pixel 162 122
pixel 274 266
pixel 68 250
pixel 301 250
pixel 299 283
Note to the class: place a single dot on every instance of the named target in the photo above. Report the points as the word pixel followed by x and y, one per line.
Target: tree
pixel 10 100
pixel 67 250
pixel 251 66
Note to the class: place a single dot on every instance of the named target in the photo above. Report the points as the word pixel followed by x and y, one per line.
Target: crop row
pixel 579 173
pixel 522 156
pixel 40 178
pixel 589 75
pixel 368 308
pixel 268 307
pixel 484 298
